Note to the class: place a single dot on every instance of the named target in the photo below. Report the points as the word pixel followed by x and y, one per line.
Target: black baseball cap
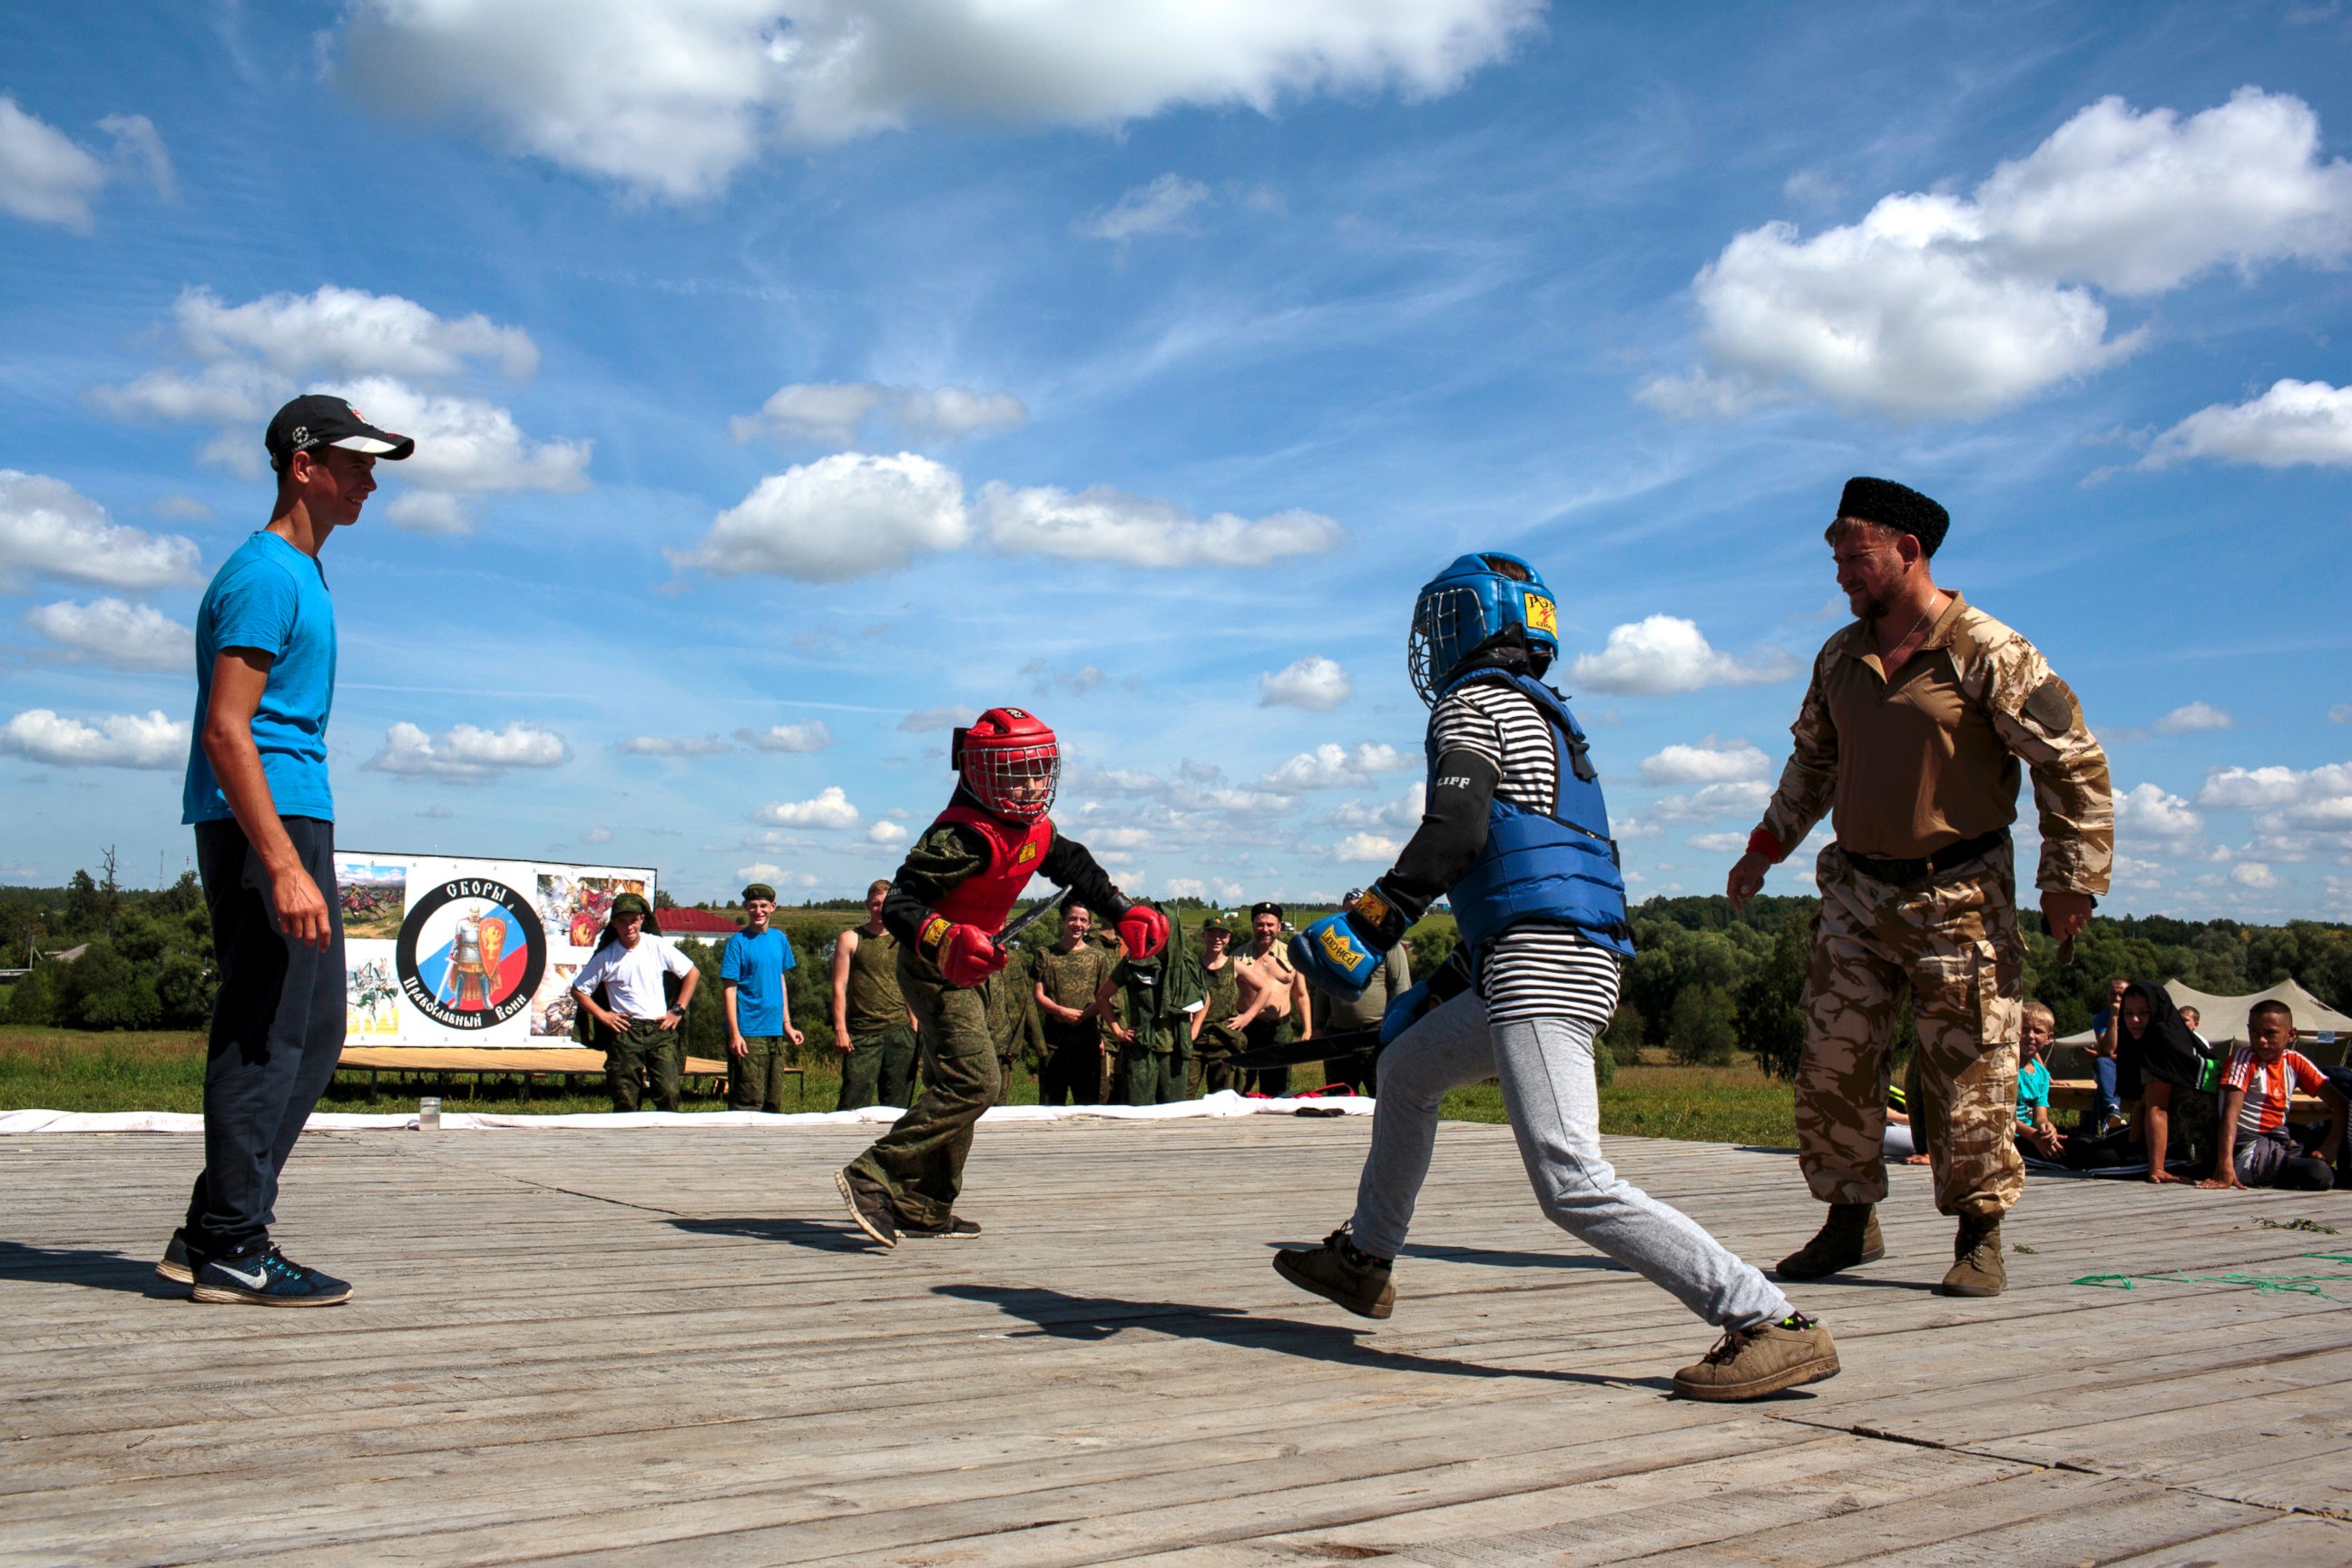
pixel 316 419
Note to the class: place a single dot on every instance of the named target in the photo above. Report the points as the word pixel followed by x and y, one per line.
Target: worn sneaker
pixel 954 1230
pixel 177 1264
pixel 869 1207
pixel 267 1279
pixel 1749 1363
pixel 1337 1272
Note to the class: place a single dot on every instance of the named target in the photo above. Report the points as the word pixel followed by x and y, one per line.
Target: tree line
pixel 1706 982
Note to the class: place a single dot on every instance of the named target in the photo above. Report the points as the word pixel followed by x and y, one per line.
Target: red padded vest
pixel 986 897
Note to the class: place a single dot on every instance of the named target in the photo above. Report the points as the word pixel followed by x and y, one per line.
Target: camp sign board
pixel 440 950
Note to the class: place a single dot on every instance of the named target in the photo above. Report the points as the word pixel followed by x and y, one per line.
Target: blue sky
pixel 793 378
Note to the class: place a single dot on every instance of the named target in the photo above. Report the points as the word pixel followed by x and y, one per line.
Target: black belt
pixel 1900 873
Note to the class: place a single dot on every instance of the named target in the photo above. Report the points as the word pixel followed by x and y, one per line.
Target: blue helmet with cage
pixel 1478 603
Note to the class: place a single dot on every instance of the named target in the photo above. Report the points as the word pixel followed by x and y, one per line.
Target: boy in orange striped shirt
pixel 2257 1148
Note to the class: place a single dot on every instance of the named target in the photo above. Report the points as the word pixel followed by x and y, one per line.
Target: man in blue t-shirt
pixel 758 1012
pixel 257 794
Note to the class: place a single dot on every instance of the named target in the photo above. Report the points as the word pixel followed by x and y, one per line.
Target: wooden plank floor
pixel 661 1346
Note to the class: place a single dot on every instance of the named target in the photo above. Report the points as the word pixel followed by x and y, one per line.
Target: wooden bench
pixel 523 1064
pixel 2079 1093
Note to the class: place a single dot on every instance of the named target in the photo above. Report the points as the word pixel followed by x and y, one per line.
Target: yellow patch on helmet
pixel 1543 615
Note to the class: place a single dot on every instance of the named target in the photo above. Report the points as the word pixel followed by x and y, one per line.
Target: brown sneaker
pixel 1749 1363
pixel 1849 1237
pixel 1337 1272
pixel 1977 1268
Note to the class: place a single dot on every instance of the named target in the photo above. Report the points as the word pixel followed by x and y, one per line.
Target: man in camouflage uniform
pixel 1214 1041
pixel 1070 976
pixel 1012 1017
pixel 1150 1013
pixel 872 1028
pixel 1911 736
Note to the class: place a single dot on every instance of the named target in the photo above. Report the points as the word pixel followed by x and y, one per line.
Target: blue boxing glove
pixel 1331 954
pixel 1417 1001
pixel 1405 1009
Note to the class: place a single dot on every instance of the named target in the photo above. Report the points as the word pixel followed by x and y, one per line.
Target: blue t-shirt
pixel 2033 1089
pixel 270 596
pixel 755 966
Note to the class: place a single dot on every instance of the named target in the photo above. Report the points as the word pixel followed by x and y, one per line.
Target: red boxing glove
pixel 966 955
pixel 1142 930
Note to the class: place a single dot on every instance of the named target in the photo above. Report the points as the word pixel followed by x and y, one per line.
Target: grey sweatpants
pixel 1544 1066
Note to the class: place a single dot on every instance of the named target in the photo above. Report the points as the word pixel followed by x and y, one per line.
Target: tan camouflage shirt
pixel 1932 757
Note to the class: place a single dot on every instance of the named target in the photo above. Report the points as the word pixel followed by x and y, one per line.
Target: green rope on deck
pixel 2317 1285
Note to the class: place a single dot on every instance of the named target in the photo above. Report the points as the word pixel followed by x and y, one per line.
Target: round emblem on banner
pixel 470 954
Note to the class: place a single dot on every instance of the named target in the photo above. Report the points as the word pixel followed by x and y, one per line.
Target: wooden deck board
pixel 662 1345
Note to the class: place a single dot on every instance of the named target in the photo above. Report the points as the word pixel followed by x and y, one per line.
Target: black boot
pixel 1850 1235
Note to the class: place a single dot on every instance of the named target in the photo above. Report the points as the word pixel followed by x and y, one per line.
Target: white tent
pixel 2222 1019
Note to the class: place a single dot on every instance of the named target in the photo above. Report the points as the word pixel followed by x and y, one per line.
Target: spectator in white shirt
pixel 638 1018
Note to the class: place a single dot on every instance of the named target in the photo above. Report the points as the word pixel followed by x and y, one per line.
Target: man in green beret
pixel 631 958
pixel 758 1007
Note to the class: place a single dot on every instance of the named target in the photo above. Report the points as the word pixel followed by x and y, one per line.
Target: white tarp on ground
pixel 2222 1019
pixel 1226 1102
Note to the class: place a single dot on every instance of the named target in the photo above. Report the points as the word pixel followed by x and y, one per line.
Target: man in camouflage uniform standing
pixel 1070 979
pixel 1911 736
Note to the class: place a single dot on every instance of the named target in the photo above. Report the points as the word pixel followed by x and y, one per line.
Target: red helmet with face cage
pixel 1010 762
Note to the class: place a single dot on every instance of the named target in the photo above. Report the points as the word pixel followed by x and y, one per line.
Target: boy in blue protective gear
pixel 1516 834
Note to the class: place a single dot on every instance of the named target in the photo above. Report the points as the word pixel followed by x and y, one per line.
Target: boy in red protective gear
pixel 949 900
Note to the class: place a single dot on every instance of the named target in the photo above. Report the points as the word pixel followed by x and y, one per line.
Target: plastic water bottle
pixel 428 1114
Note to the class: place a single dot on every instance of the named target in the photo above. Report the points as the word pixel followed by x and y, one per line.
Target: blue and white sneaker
pixel 267 1279
pixel 177 1264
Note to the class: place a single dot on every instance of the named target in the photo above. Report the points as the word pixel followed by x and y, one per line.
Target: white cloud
pixel 2294 422
pixel 228 393
pixel 811 736
pixel 1717 843
pixel 675 746
pixel 1661 656
pixel 2299 813
pixel 760 871
pixel 831 808
pixel 115 741
pixel 349 333
pixel 1713 761
pixel 1084 679
pixel 1370 849
pixel 46 177
pixel 2148 811
pixel 2341 713
pixel 182 509
pixel 843 516
pixel 1947 306
pixel 1746 797
pixel 1107 524
pixel 1315 683
pixel 2191 717
pixel 467 753
pixel 924 720
pixel 2255 874
pixel 670 98
pixel 597 835
pixel 1155 208
pixel 432 512
pixel 1331 765
pixel 885 833
pixel 47 529
pixel 116 632
pixel 834 412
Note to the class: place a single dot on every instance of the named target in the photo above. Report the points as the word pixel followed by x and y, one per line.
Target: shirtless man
pixel 1272 994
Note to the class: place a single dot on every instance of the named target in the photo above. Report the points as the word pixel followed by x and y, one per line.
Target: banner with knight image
pixel 449 951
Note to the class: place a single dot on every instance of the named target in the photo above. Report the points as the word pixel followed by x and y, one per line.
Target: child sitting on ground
pixel 2038 1137
pixel 2257 1147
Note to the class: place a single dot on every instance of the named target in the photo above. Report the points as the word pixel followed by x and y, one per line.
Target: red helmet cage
pixel 1010 762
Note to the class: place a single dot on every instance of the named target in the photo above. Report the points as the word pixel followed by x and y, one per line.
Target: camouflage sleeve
pixel 2038 718
pixel 1809 784
pixel 941 858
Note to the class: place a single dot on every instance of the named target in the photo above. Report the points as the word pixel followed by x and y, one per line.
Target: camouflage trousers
pixel 1954 944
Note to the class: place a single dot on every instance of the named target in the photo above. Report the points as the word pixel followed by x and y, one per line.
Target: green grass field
pixel 69 1070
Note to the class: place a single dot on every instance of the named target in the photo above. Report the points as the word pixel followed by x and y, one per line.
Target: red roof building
pixel 700 923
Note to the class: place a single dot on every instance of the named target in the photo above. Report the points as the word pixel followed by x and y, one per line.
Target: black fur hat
pixel 1899 507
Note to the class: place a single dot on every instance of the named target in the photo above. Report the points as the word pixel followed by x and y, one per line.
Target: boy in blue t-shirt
pixel 759 1011
pixel 257 794
pixel 2037 1136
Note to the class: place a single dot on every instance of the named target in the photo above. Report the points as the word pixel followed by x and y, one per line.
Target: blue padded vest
pixel 1560 869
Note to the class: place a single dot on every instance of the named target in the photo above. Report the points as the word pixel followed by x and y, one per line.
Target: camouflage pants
pixel 920 1162
pixel 1954 942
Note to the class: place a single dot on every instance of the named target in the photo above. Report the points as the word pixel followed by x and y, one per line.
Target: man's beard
pixel 1869 607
